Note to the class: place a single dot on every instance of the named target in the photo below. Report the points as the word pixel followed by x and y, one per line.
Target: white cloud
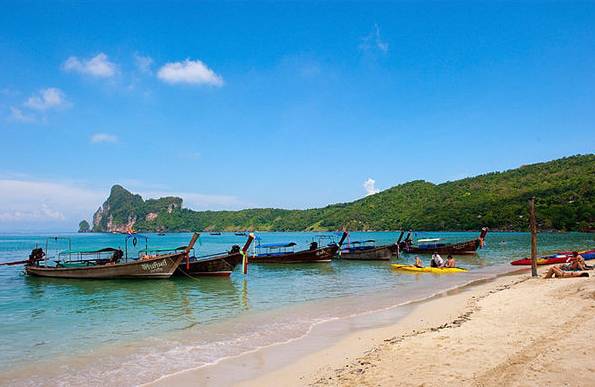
pixel 143 63
pixel 103 137
pixel 41 214
pixel 31 204
pixel 189 71
pixel 50 98
pixel 370 187
pixel 373 41
pixel 18 115
pixel 98 66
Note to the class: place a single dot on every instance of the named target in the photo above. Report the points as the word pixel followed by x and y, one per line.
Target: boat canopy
pixel 360 242
pixel 429 240
pixel 163 249
pixel 277 245
pixel 105 250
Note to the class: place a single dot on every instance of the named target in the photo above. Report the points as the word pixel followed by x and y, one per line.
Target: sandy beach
pixel 513 330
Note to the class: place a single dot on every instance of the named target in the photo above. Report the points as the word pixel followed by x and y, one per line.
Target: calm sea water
pixel 94 332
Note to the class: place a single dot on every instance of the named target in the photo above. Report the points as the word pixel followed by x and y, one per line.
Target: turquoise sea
pixel 101 332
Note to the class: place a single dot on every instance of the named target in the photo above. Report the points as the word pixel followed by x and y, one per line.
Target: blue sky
pixel 280 105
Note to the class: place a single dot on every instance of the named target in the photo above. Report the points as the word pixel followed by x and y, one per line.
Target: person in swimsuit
pixel 450 262
pixel 418 262
pixel 557 272
pixel 576 262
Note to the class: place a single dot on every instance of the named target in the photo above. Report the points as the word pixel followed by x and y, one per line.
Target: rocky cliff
pixel 123 210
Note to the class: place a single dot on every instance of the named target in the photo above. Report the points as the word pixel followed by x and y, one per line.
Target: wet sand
pixel 513 330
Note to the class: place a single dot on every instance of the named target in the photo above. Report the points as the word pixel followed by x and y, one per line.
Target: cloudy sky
pixel 282 105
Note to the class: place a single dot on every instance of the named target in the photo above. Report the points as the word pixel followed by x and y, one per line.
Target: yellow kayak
pixel 437 270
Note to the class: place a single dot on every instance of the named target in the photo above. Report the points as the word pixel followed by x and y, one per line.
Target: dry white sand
pixel 514 330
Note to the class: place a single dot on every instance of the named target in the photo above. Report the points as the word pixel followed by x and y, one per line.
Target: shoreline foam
pixel 209 374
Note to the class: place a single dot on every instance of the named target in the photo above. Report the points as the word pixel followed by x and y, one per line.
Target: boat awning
pixel 277 245
pixel 360 242
pixel 105 250
pixel 163 249
pixel 428 240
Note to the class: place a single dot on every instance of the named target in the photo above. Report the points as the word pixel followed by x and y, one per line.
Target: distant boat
pixel 161 234
pixel 107 263
pixel 215 233
pixel 241 233
pixel 285 252
pixel 467 247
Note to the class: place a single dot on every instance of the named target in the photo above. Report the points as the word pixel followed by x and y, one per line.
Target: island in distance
pixel 498 200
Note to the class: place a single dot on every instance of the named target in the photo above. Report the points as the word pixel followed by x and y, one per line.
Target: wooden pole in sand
pixel 533 223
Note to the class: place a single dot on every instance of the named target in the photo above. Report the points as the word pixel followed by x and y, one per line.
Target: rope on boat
pixel 189 276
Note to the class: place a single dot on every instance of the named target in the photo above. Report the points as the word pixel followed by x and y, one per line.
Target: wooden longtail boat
pixel 467 247
pixel 95 265
pixel 366 251
pixel 284 253
pixel 216 264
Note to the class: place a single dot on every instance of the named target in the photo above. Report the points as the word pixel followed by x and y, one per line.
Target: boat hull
pixel 462 248
pixel 221 265
pixel 383 253
pixel 435 270
pixel 157 267
pixel 306 256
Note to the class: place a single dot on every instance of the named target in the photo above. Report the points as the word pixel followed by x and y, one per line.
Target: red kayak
pixel 561 257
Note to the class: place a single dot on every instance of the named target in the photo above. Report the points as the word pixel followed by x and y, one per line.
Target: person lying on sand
pixel 418 262
pixel 557 272
pixel 450 262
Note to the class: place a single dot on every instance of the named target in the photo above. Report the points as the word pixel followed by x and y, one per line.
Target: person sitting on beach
pixel 437 260
pixel 418 262
pixel 450 262
pixel 576 262
pixel 557 272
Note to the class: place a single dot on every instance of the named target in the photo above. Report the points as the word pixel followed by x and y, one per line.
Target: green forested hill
pixel 563 188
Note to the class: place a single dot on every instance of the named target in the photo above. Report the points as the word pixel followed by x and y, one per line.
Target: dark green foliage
pixel 122 207
pixel 563 188
pixel 84 226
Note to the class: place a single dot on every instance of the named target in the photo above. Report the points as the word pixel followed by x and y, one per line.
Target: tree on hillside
pixel 84 226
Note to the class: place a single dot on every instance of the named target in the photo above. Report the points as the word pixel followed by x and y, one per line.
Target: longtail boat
pixel 430 247
pixel 285 253
pixel 561 257
pixel 221 264
pixel 107 263
pixel 366 251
